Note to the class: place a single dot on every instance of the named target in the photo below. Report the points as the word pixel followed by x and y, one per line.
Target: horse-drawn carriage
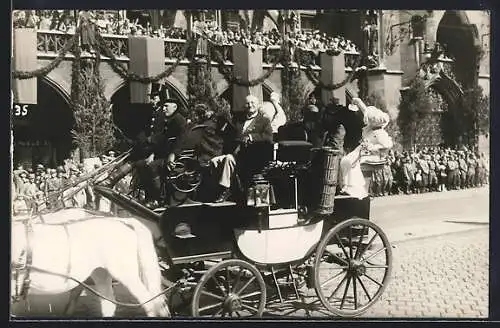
pixel 231 259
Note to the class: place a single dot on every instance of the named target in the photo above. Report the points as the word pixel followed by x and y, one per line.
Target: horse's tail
pixel 148 265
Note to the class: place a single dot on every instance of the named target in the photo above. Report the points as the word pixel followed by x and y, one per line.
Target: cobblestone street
pixel 444 276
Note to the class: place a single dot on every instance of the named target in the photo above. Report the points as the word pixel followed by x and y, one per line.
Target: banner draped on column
pixel 332 72
pixel 147 58
pixel 25 59
pixel 248 66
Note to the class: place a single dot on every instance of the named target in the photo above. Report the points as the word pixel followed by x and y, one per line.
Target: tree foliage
pixel 201 87
pixel 415 103
pixel 476 114
pixel 93 132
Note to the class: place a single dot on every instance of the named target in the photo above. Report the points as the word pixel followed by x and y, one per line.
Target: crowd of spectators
pixel 430 169
pixel 117 24
pixel 35 188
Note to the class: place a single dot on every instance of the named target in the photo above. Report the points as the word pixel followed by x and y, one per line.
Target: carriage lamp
pixel 258 194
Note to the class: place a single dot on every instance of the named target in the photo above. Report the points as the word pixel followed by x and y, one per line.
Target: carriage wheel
pixel 352 267
pixel 231 288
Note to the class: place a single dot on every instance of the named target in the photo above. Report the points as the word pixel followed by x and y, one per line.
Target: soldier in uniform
pixel 433 169
pixel 462 165
pixel 424 167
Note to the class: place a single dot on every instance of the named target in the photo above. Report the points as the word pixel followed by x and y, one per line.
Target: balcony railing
pixel 51 42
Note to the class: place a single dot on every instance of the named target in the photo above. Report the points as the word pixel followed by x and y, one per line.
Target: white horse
pixel 88 245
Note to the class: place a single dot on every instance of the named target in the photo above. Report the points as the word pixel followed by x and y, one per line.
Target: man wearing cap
pixel 157 147
pixel 462 166
pixel 423 165
pixel 433 178
pixel 162 142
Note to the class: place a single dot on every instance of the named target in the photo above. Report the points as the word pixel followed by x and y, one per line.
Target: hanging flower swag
pixel 122 71
pixel 314 78
pixel 70 45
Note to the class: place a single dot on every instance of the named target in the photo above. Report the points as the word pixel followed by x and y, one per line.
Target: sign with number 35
pixel 21 110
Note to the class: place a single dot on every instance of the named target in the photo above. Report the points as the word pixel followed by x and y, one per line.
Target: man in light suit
pixel 250 128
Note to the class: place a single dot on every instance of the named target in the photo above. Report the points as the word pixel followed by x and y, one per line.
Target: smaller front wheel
pixel 352 267
pixel 231 288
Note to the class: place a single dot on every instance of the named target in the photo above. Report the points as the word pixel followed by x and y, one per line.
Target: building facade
pixel 400 45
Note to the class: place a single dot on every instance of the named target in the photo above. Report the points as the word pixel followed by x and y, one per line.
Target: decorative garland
pixel 318 83
pixel 42 71
pixel 120 70
pixel 228 74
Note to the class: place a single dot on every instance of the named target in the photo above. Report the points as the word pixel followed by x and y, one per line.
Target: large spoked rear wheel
pixel 231 288
pixel 352 267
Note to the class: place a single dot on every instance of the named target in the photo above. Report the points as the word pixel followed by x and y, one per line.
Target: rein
pixel 93 291
pixel 25 267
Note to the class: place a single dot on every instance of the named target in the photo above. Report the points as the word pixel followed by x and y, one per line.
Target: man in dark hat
pixel 168 126
pixel 162 140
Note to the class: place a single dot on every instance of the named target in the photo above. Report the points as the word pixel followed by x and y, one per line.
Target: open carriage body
pixel 235 258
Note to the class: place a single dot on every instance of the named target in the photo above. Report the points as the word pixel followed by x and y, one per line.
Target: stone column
pixel 332 71
pixel 25 59
pixel 147 58
pixel 247 66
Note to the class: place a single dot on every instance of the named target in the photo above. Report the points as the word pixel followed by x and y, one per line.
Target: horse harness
pixel 24 264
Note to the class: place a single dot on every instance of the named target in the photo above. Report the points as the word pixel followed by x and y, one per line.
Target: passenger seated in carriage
pixel 151 153
pixel 243 148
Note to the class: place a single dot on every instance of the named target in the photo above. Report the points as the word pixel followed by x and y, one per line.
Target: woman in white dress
pixel 373 149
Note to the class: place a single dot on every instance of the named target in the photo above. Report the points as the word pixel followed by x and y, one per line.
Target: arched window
pixel 417 26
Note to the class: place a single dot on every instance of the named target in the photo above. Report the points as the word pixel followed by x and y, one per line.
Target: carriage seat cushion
pixel 293 151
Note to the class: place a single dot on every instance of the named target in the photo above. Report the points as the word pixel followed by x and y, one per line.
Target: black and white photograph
pixel 234 164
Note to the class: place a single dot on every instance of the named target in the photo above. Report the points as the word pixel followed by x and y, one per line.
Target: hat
pixel 183 231
pixel 40 167
pixel 60 169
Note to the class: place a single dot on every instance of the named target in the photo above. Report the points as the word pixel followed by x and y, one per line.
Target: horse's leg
pixel 103 285
pixel 74 295
pixel 137 289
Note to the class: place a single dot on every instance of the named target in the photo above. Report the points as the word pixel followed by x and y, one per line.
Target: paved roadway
pixel 440 262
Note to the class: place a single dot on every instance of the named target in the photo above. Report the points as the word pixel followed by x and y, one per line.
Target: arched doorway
pixel 458 39
pixel 457 73
pixel 43 135
pixel 131 119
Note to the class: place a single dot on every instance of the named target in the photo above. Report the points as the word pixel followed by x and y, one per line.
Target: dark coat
pixel 205 139
pixel 343 124
pixel 251 158
pixel 164 138
pixel 259 130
